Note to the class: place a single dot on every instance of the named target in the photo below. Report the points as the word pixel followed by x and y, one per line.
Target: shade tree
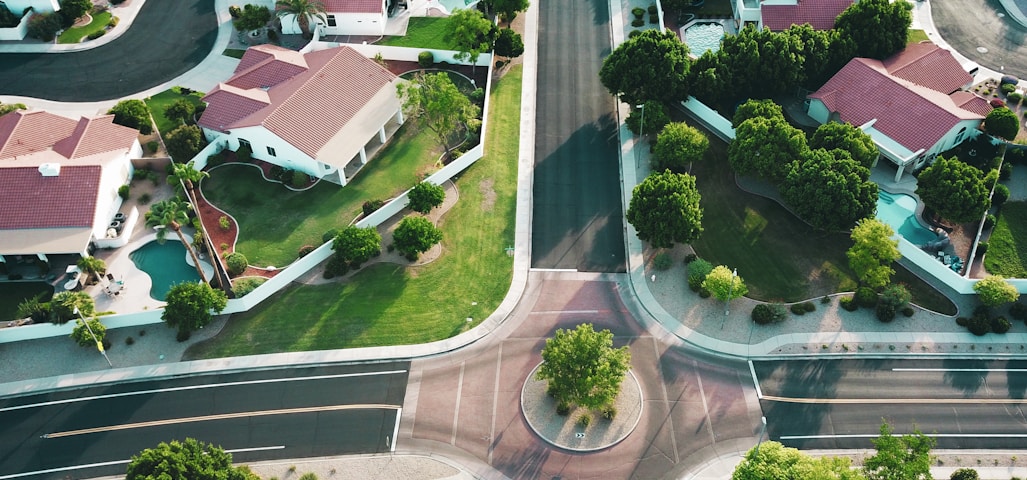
pixel 189 459
pixel 752 108
pixel 435 103
pixel 356 245
pixel 582 367
pixel 830 190
pixel 191 306
pixel 415 235
pixel 906 457
pixel 425 196
pixel 954 190
pixel 878 28
pixel 650 66
pixel 132 114
pixel 649 119
pixel 677 146
pixel 859 144
pixel 664 209
pixel 994 291
pixel 766 147
pixel 471 33
pixel 509 44
pixel 873 251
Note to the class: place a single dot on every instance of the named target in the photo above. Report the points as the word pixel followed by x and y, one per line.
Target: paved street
pixel 972 25
pixel 167 39
pixel 578 219
pixel 293 413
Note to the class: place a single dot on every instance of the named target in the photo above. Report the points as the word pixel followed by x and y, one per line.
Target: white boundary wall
pixel 19 32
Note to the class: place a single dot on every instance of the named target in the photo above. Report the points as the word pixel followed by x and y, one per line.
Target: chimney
pixel 50 169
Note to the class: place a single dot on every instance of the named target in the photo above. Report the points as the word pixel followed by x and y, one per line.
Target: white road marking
pixel 972 401
pixel 395 430
pixel 705 407
pixel 456 412
pixel 935 435
pixel 495 401
pixel 755 381
pixel 553 270
pixel 557 312
pixel 959 369
pixel 117 462
pixel 198 387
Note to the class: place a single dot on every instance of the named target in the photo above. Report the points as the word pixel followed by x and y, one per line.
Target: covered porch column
pixel 363 155
pixel 381 134
pixel 399 116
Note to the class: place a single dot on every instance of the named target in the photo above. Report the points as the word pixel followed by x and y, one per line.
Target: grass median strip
pixel 388 304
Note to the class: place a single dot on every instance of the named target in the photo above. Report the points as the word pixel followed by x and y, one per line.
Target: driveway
pixel 984 33
pixel 167 39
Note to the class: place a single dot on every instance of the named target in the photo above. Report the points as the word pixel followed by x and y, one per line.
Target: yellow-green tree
pixel 872 252
pixel 582 367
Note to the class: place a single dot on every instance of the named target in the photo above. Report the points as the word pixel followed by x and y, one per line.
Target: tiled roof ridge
pixel 23 124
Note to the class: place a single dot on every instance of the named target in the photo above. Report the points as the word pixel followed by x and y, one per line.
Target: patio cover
pixel 71 240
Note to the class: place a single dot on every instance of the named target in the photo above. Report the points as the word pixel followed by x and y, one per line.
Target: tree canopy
pixel 762 62
pixel 878 28
pixel 994 291
pixel 172 214
pixel 508 9
pixel 771 460
pixel 182 110
pixel 954 190
pixel 872 252
pixel 73 9
pixel 677 146
pixel 752 108
pixel 357 245
pixel 765 147
pixel 724 284
pixel 907 457
pixel 82 336
pixel 665 209
pixel 582 367
pixel 649 66
pixel 437 104
pixel 304 10
pixel 859 144
pixel 190 306
pixel 184 142
pixel 471 33
pixel 132 114
pixel 829 190
pixel 509 44
pixel 189 459
pixel 649 119
pixel 415 235
pixel 425 196
pixel 1002 122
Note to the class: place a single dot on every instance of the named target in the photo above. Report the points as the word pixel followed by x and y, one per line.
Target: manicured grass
pixel 233 52
pixel 13 293
pixel 392 305
pixel 916 36
pixel 161 101
pixel 76 34
pixel 274 222
pixel 423 32
pixel 1007 248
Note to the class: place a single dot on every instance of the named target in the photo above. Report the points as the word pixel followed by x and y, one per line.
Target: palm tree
pixel 93 266
pixel 172 214
pixel 303 10
pixel 188 177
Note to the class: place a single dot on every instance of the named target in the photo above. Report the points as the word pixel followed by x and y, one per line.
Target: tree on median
pixel 665 209
pixel 189 459
pixel 650 66
pixel 436 104
pixel 582 367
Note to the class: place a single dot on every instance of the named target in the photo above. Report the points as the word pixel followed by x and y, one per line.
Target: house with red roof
pixel 912 104
pixel 779 15
pixel 313 112
pixel 59 180
pixel 345 17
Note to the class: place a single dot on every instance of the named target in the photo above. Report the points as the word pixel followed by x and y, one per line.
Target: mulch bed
pixel 479 74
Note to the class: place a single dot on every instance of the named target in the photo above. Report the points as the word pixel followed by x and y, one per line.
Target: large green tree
pixel 994 291
pixel 184 142
pixel 415 235
pixel 509 44
pixel 63 305
pixel 303 10
pixel 425 196
pixel 954 190
pixel 186 460
pixel 649 66
pixel 859 144
pixel 181 110
pixel 471 33
pixel 665 209
pixel 724 284
pixel 906 457
pixel 436 104
pixel 507 9
pixel 172 214
pixel 133 114
pixel 649 119
pixel 677 146
pixel 752 108
pixel 872 252
pixel 1002 122
pixel 766 147
pixel 771 460
pixel 878 28
pixel 823 52
pixel 191 306
pixel 582 367
pixel 357 245
pixel 762 63
pixel 72 10
pixel 830 190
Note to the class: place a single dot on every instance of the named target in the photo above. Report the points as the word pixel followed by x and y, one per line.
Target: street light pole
pixel 99 345
pixel 731 292
pixel 641 132
pixel 762 431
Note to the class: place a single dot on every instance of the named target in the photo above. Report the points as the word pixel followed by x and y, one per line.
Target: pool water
pixel 702 37
pixel 452 5
pixel 165 264
pixel 899 211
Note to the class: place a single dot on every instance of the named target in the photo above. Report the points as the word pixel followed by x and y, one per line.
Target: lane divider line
pixel 959 369
pixel 999 401
pixel 117 462
pixel 935 435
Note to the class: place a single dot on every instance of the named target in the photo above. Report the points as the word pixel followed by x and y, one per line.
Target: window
pixel 270 151
pixel 331 21
pixel 959 138
pixel 245 143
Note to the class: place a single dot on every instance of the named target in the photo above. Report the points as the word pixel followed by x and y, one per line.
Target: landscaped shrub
pixel 965 474
pixel 563 409
pixel 809 307
pixel 609 412
pixel 145 199
pixel 1008 88
pixel 638 22
pixel 866 297
pixel 235 11
pixel 689 258
pixel 848 303
pixel 236 263
pixel 300 179
pixel 1014 98
pixel 224 223
pixel 308 476
pixel 797 309
pixel 425 59
pixel 979 324
pixel 276 172
pixel 638 12
pixel 767 313
pixel 252 18
pixel 1000 325
pixel 908 311
pixel 1006 172
pixel 652 9
pixel 1018 311
pixel 371 205
pixel 885 312
pixel 152 146
pixel 1000 196
pixel 982 248
pixel 584 420
pixel 634 33
pixel 704 293
pixel 123 191
pixel 697 271
pixel 989 221
pixel 962 321
pixel 183 335
pixel 663 261
pixel 44 26
pixel 243 286
pixel 654 18
pixel 336 266
pixel 305 250
pixel 477 96
pixel 96 34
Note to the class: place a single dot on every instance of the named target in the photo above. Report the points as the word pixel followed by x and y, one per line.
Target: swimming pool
pixel 702 37
pixel 165 264
pixel 451 5
pixel 898 211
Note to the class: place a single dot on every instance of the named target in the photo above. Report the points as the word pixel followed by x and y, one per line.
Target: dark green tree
pixel 182 110
pixel 415 235
pixel 357 245
pixel 965 474
pixel 829 190
pixel 190 459
pixel 665 209
pixel 954 190
pixel 436 104
pixel 191 306
pixel 878 28
pixel 509 44
pixel 72 10
pixel 766 147
pixel 582 367
pixel 709 79
pixel 762 63
pixel 859 144
pixel 752 108
pixel 471 33
pixel 724 285
pixel 63 305
pixel 654 117
pixel 872 252
pixel 184 142
pixel 822 53
pixel 1002 122
pixel 677 146
pixel 900 458
pixel 650 66
pixel 426 196
pixel 132 114
pixel 508 9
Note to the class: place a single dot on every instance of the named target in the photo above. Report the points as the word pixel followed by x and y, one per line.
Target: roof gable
pixel 227 105
pixel 354 6
pixel 928 65
pixel 27 132
pixel 31 200
pixel 820 14
pixel 96 135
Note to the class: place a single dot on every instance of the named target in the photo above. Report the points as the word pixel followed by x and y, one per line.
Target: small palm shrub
pixel 425 59
pixel 584 420
pixel 767 313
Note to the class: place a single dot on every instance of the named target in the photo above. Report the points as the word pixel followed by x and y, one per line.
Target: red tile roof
pixel 354 6
pixel 972 102
pixel 31 200
pixel 820 14
pixel 914 116
pixel 928 65
pixel 27 132
pixel 266 65
pixel 227 104
pixel 96 135
pixel 306 109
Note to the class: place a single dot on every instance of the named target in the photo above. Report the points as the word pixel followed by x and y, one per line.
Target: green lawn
pixel 423 32
pixel 13 293
pixel 1007 248
pixel 916 36
pixel 274 222
pixel 161 101
pixel 393 305
pixel 76 34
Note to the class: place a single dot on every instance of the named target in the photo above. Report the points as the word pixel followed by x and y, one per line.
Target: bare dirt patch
pixel 488 194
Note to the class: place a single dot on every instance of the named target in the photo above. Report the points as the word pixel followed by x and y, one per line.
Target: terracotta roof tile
pixel 31 200
pixel 928 65
pixel 354 6
pixel 96 135
pixel 971 102
pixel 26 132
pixel 820 14
pixel 227 104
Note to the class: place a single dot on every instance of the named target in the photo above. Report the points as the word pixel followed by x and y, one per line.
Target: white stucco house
pixel 59 180
pixel 345 17
pixel 913 104
pixel 311 112
pixel 779 15
pixel 40 6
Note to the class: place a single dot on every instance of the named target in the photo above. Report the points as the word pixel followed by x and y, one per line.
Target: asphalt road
pixel 167 39
pixel 966 404
pixel 971 25
pixel 291 413
pixel 577 214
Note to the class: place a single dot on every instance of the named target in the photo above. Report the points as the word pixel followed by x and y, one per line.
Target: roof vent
pixel 50 169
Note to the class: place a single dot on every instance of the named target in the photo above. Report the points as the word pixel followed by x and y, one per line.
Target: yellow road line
pixel 223 416
pixel 1005 401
